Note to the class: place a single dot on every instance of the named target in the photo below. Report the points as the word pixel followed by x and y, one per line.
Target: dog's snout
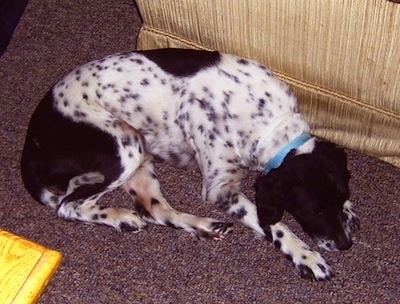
pixel 344 243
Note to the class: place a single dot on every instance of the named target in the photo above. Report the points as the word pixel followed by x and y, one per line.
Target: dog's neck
pixel 280 132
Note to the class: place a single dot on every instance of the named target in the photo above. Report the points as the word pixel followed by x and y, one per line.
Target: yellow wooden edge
pixel 40 273
pixel 39 278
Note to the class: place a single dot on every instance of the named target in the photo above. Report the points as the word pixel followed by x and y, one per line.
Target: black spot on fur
pixel 79 114
pixel 261 104
pixel 239 214
pixel 243 61
pixel 229 144
pixel 145 82
pixel 175 89
pixel 126 141
pixel 169 224
pixel 225 201
pixel 142 211
pixel 125 227
pixel 289 257
pixel 182 62
pixel 229 75
pixel 155 201
pixel 211 136
pixel 138 61
pixel 133 96
pixel 212 116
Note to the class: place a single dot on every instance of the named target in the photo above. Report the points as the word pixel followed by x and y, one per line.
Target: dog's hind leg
pixel 144 188
pixel 80 200
pixel 87 211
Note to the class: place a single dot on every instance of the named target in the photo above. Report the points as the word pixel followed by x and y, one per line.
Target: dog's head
pixel 313 188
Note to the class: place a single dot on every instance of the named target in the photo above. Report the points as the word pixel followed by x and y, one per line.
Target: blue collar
pixel 277 160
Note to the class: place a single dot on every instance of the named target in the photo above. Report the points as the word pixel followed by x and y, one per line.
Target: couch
pixel 341 58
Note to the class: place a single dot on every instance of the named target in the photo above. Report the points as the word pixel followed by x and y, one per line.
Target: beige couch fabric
pixel 341 58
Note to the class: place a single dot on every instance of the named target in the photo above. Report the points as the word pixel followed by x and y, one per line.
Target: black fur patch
pixel 58 149
pixel 181 62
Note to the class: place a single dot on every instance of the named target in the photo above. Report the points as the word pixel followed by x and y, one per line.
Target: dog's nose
pixel 344 244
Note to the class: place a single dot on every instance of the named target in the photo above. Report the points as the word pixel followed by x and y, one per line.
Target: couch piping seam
pixel 326 92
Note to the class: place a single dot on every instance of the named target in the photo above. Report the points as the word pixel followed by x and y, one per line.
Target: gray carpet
pixel 162 265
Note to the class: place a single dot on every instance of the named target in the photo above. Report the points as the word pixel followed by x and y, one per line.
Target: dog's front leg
pixel 309 263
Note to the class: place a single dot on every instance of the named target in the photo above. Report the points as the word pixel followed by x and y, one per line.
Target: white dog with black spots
pixel 104 124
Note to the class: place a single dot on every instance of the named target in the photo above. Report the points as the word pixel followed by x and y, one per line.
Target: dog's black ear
pixel 333 160
pixel 329 152
pixel 269 198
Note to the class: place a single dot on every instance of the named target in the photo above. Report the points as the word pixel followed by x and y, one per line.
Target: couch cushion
pixel 341 58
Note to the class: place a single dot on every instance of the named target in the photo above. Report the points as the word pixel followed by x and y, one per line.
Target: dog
pixel 103 125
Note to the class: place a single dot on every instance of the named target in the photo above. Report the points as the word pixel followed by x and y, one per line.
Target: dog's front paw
pixel 352 222
pixel 311 265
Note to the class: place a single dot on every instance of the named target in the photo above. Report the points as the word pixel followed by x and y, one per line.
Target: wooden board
pixel 25 268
